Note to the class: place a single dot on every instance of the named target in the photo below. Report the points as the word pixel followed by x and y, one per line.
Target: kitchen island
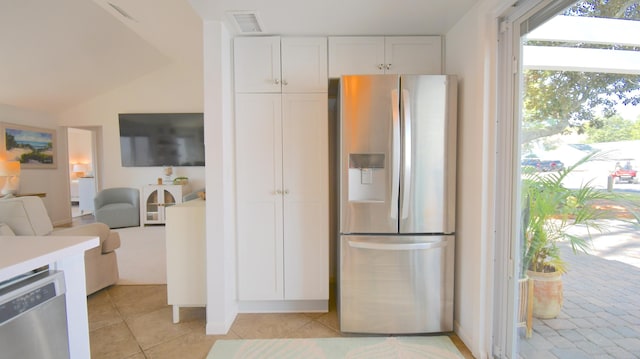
pixel 22 254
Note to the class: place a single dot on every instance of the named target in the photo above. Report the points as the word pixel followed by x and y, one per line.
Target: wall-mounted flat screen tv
pixel 161 139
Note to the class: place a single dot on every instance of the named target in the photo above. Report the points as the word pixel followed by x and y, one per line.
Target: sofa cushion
pixel 5 230
pixel 27 216
pixel 109 240
pixel 116 206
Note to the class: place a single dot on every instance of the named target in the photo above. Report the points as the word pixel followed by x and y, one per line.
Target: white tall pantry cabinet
pixel 282 173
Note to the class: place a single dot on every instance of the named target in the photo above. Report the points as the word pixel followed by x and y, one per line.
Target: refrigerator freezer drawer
pixel 396 284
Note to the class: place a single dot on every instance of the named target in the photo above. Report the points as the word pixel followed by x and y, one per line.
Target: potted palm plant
pixel 550 211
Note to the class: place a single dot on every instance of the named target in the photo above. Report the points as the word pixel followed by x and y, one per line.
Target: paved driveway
pixel 601 313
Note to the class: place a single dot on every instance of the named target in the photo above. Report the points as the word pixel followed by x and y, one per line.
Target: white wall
pixel 80 147
pixel 470 53
pixel 222 305
pixel 174 88
pixel 53 182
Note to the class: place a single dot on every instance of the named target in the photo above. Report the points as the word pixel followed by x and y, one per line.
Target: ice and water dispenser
pixel 367 177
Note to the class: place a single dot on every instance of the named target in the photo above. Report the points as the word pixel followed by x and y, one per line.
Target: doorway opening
pixel 575 92
pixel 83 169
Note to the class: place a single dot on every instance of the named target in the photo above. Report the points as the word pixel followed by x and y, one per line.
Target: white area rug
pixel 142 256
pixel 436 347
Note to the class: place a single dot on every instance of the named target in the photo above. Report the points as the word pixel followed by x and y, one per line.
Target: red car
pixel 626 173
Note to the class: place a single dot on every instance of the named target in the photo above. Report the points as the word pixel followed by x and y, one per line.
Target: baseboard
pixel 284 306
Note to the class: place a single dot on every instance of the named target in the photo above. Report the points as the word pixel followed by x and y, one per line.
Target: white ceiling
pixel 59 53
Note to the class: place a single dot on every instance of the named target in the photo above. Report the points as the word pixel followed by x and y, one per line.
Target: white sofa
pixel 27 216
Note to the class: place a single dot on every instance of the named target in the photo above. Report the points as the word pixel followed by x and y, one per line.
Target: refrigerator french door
pixel 397 203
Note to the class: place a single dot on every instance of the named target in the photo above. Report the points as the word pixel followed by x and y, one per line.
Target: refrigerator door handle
pixel 397 246
pixel 406 183
pixel 395 157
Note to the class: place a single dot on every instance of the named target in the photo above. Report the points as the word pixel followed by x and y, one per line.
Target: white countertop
pixel 20 254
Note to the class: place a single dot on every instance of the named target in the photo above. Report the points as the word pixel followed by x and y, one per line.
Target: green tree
pixel 613 129
pixel 635 130
pixel 10 140
pixel 560 101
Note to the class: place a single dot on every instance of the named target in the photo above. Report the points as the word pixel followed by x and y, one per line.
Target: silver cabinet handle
pixel 277 192
pixel 284 82
pixel 286 191
pixel 276 81
pixel 388 66
pixel 381 67
pixel 398 247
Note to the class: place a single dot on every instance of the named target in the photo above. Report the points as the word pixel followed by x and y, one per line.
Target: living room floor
pixel 135 322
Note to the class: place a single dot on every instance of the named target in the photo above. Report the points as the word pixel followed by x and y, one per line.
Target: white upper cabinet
pixel 274 64
pixel 413 55
pixel 356 55
pixel 257 64
pixel 304 64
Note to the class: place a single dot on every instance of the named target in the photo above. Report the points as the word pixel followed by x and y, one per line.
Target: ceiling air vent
pixel 247 22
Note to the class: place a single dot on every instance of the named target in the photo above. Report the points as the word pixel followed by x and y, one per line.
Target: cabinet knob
pixel 388 66
pixel 284 82
pixel 277 192
pixel 276 81
pixel 381 67
pixel 286 191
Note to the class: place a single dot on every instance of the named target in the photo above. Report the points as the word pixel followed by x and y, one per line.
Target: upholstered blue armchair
pixel 118 207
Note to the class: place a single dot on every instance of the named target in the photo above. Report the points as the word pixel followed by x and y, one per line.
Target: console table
pixel 155 199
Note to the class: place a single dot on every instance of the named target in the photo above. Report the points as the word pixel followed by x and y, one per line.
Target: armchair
pixel 118 207
pixel 27 216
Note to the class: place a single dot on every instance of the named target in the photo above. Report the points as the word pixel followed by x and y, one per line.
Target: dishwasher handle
pixel 397 246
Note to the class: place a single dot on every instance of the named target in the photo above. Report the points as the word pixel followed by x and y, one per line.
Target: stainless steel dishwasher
pixel 33 317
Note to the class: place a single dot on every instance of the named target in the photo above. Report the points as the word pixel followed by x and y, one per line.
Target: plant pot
pixel 547 294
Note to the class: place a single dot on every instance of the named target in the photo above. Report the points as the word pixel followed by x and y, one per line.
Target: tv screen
pixel 161 139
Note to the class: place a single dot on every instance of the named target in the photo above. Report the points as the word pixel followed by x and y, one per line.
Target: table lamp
pixel 79 169
pixel 10 170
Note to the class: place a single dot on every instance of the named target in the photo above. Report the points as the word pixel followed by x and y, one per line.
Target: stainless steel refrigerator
pixel 397 203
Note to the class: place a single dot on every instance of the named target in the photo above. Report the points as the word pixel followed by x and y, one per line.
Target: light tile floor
pixel 134 322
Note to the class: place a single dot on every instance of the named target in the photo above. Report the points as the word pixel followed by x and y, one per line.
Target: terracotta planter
pixel 547 294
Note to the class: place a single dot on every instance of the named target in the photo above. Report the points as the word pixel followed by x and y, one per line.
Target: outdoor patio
pixel 601 313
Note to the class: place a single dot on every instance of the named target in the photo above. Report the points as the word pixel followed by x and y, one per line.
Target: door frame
pixel 507 224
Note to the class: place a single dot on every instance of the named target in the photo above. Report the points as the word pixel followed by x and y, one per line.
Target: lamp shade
pixel 79 167
pixel 9 168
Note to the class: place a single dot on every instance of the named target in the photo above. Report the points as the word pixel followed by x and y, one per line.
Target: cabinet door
pixel 151 205
pixel 259 198
pixel 305 183
pixel 185 243
pixel 356 55
pixel 304 64
pixel 413 55
pixel 257 64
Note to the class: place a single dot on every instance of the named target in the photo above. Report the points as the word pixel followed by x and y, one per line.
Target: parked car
pixel 626 173
pixel 531 163
pixel 542 165
pixel 551 165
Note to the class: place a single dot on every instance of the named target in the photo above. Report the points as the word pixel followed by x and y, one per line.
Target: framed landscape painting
pixel 33 147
